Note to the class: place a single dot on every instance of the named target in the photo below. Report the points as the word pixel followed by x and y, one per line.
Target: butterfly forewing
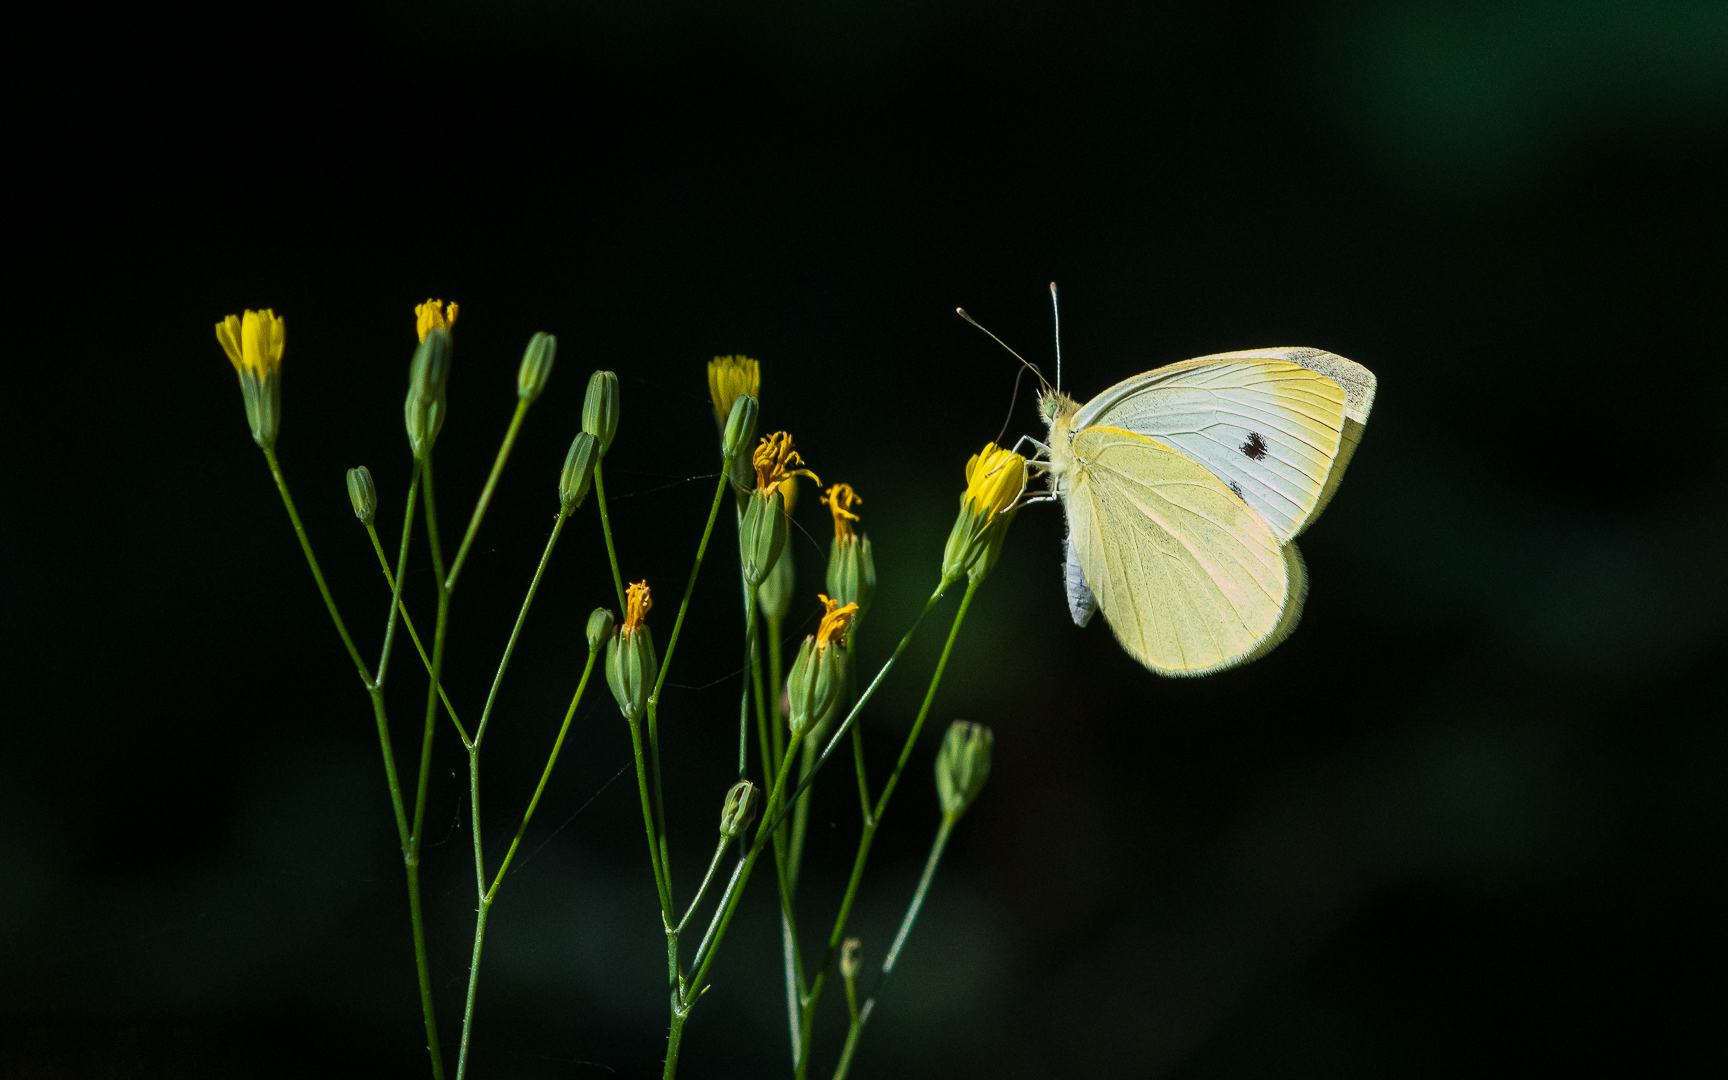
pixel 1267 426
pixel 1190 578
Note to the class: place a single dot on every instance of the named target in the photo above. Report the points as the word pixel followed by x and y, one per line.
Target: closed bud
pixel 850 958
pixel 775 595
pixel 423 412
pixel 962 766
pixel 852 572
pixel 362 494
pixel 599 628
pixel 578 472
pixel 742 804
pixel 600 409
pixel 740 430
pixel 631 663
pixel 536 366
pixel 762 534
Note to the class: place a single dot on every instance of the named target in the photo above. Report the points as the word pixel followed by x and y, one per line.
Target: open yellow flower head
pixel 835 620
pixel 637 604
pixel 434 315
pixel 730 377
pixel 776 462
pixel 839 500
pixel 253 342
pixel 995 479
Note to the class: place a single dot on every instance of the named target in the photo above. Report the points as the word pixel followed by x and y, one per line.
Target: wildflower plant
pixel 799 717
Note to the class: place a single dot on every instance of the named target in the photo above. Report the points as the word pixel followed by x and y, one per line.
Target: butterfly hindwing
pixel 1190 578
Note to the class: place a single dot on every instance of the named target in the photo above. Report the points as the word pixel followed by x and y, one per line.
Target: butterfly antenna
pixel 1031 366
pixel 1057 311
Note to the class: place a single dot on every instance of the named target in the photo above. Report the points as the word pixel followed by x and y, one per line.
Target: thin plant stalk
pixel 666 666
pixel 374 690
pixel 869 833
pixel 861 1016
pixel 606 528
pixel 489 894
pixel 390 579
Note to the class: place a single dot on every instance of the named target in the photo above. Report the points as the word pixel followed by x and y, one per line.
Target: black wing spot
pixel 1255 447
pixel 1237 488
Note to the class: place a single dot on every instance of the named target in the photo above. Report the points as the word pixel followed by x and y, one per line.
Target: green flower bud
pixel 852 573
pixel 631 663
pixel 600 409
pixel 599 628
pixel 962 766
pixel 775 596
pixel 424 410
pixel 363 495
pixel 850 958
pixel 742 804
pixel 740 431
pixel 762 534
pixel 536 366
pixel 578 472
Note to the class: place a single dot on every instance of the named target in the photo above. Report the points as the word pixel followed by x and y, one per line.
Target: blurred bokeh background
pixel 1469 819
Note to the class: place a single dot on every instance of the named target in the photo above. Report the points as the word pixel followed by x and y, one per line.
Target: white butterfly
pixel 1185 488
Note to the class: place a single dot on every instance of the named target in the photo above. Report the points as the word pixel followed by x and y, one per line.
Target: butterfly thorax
pixel 1059 410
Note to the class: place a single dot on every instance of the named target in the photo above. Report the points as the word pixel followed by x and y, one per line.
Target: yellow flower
pixel 995 479
pixel 434 315
pixel 776 462
pixel 835 619
pixel 839 500
pixel 253 343
pixel 254 346
pixel 637 605
pixel 730 377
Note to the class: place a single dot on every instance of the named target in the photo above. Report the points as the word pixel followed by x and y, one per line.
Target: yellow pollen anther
pixel 776 462
pixel 839 500
pixel 995 479
pixel 637 604
pixel 730 377
pixel 434 315
pixel 835 622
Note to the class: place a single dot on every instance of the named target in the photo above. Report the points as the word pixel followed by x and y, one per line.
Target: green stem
pixel 660 885
pixel 606 528
pixel 516 631
pixel 860 1017
pixel 312 561
pixel 395 582
pixel 869 834
pixel 416 832
pixel 488 895
pixel 485 499
pixel 391 579
pixel 707 879
pixel 407 838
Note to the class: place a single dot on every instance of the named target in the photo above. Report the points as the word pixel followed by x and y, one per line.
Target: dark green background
pixel 1468 820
